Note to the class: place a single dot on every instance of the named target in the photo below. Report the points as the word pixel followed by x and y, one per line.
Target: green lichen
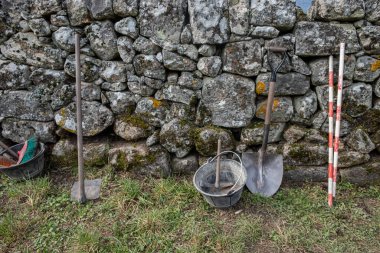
pixel 209 147
pixel 134 120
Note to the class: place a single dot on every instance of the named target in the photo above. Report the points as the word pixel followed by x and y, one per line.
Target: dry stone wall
pixel 163 80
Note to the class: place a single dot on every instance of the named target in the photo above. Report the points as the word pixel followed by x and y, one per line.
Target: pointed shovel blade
pixel 91 189
pixel 273 171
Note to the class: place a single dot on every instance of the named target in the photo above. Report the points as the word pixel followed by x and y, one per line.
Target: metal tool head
pixel 272 173
pixel 91 189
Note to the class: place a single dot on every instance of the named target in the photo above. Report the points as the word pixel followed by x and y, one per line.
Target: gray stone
pixel 318 39
pixel 153 83
pixel 315 136
pixel 162 20
pixel 95 152
pixel 103 39
pixel 299 66
pixel 24 105
pixel 132 128
pixel 304 153
pixel 14 76
pixel 186 36
pixel 24 27
pixel 181 111
pixel 153 139
pixel 210 66
pixel 96 118
pixel 360 141
pixel 287 41
pixel 294 133
pixel 367 69
pixel 124 8
pixel 287 84
pixel 234 108
pixel 370 39
pixel 122 102
pixel 78 12
pixel 376 88
pixel 64 153
pixel 253 134
pixel 372 11
pixel 319 119
pixel 172 78
pixel 305 106
pixel 127 26
pixel 185 166
pixel 153 111
pixel 115 71
pixel 282 109
pixel 376 103
pixel 39 8
pixel 145 46
pixel 25 48
pixel 101 9
pixel 20 130
pixel 207 50
pixel 39 26
pixel 188 50
pixel 90 92
pixel 352 158
pixel 266 32
pixel 278 13
pixel 206 140
pixel 149 66
pixel 192 81
pixel 357 99
pixel 346 125
pixel 243 58
pixel 363 175
pixel 114 86
pixel 178 94
pixel 370 121
pixel 347 10
pixel 137 86
pixel 209 21
pixel 125 48
pixel 301 174
pixel 64 38
pixel 239 16
pixel 175 136
pixel 59 20
pixel 177 62
pixel 320 70
pixel 276 59
pixel 90 67
pixel 62 96
pixel 48 78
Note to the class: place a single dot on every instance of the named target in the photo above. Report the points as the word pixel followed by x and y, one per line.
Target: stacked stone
pixel 164 80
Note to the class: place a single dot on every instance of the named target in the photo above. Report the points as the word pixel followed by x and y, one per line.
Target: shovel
pixel 265 171
pixel 83 189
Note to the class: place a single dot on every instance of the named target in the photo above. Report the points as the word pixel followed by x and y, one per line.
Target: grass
pixel 169 215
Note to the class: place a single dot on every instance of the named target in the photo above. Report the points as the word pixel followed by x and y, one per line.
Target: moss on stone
pixel 209 147
pixel 299 152
pixel 134 120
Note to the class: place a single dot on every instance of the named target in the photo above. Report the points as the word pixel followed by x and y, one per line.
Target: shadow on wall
pixel 304 4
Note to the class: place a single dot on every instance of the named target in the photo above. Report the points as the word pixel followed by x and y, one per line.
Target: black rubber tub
pixel 28 170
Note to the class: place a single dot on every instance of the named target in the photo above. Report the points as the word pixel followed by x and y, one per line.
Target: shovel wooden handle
pixel 217 174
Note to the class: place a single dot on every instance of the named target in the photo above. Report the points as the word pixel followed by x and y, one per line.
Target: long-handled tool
pixel 83 189
pixel 265 171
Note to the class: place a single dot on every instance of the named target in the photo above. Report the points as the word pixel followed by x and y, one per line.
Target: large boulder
pixel 125 8
pixel 282 109
pixel 209 21
pixel 96 118
pixel 304 153
pixel 14 76
pixel 78 12
pixel 367 69
pixel 357 99
pixel 278 13
pixel 149 66
pixel 152 111
pixel 301 174
pixel 317 39
pixel 21 130
pixel 360 141
pixel 24 105
pixel 364 175
pixel 349 158
pixel 239 13
pixel 176 137
pixel 206 140
pixel 370 39
pixel 287 84
pixel 177 62
pixel 327 10
pixel 25 48
pixel 162 20
pixel 253 134
pixel 90 67
pixel 103 39
pixel 230 99
pixel 243 58
pixel 132 128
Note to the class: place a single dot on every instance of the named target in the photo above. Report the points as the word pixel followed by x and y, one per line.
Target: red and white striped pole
pixel 331 129
pixel 338 113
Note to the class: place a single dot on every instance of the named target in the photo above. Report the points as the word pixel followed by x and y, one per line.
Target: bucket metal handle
pixel 241 167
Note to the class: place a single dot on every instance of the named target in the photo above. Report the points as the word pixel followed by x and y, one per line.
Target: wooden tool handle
pixel 217 174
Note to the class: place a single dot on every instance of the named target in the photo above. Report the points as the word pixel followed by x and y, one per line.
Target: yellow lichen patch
pixel 375 66
pixel 262 109
pixel 276 103
pixel 260 87
pixel 156 103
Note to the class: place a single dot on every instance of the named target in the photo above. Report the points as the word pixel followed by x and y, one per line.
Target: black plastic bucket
pixel 231 171
pixel 28 170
